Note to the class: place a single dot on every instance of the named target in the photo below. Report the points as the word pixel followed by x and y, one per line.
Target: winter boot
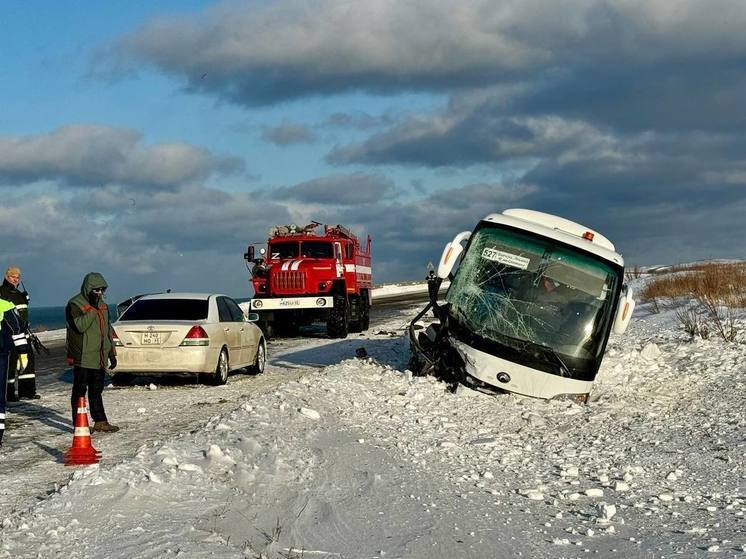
pixel 104 427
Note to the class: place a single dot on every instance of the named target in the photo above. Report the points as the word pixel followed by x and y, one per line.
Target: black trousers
pixel 91 380
pixel 24 382
pixel 4 359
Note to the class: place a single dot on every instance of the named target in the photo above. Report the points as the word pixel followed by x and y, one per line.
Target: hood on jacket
pixel 92 280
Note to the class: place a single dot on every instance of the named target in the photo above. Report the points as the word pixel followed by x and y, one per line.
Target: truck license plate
pixel 151 338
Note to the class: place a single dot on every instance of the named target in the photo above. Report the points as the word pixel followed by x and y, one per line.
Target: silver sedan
pixel 202 333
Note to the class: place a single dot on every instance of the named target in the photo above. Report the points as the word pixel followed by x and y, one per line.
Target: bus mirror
pixel 451 253
pixel 624 310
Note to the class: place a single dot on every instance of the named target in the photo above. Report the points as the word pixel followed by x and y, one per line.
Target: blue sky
pixel 150 141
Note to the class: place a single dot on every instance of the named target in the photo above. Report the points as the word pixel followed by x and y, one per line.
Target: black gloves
pixel 112 362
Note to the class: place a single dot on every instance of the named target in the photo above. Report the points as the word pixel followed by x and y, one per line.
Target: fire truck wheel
pixel 356 309
pixel 286 329
pixel 365 319
pixel 337 325
pixel 269 330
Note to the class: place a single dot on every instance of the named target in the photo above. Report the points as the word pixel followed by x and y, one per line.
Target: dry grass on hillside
pixel 712 292
pixel 723 282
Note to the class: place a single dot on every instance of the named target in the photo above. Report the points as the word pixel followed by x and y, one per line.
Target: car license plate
pixel 151 338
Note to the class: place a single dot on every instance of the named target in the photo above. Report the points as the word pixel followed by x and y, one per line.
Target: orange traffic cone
pixel 82 451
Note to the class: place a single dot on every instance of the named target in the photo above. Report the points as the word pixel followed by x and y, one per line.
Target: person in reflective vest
pixel 22 381
pixel 12 337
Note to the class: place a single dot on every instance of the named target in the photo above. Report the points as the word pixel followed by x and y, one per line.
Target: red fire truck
pixel 308 276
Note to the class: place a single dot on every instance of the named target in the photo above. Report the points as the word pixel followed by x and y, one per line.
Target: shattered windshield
pixel 521 290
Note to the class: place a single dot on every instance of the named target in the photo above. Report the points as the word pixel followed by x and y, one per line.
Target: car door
pixel 232 332
pixel 248 337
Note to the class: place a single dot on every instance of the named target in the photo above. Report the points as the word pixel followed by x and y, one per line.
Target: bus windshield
pixel 522 290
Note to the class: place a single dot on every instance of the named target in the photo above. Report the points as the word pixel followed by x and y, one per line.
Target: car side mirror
pixel 624 310
pixel 253 317
pixel 249 254
pixel 451 253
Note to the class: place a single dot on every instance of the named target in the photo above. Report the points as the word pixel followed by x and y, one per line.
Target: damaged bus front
pixel 529 309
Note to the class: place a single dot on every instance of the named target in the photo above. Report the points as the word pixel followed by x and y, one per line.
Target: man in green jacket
pixel 90 347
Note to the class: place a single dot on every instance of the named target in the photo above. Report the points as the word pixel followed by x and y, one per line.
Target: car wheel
pixel 268 328
pixel 221 370
pixel 261 359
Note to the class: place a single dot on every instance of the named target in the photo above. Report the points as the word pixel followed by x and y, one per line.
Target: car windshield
pixel 316 249
pixel 283 250
pixel 166 309
pixel 525 291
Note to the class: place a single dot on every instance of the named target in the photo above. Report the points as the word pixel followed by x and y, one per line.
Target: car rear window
pixel 166 309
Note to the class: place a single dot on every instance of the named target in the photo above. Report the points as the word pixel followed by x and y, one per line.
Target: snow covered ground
pixel 328 455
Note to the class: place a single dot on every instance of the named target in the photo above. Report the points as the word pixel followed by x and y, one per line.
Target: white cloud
pixel 337 190
pixel 95 155
pixel 262 52
pixel 287 133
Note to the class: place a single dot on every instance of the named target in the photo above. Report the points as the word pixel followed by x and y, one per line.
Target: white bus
pixel 529 309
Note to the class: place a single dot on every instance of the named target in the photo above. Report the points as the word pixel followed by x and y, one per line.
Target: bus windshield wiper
pixel 564 369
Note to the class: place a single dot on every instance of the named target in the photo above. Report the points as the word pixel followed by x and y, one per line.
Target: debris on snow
pixel 650 352
pixel 605 511
pixel 311 414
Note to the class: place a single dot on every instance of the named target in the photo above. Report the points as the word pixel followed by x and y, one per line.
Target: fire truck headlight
pixel 257 304
pixel 320 302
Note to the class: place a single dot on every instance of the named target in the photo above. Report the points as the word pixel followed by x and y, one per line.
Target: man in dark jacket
pixel 11 337
pixel 25 380
pixel 90 347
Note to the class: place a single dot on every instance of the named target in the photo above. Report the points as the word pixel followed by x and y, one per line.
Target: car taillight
pixel 115 338
pixel 196 336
